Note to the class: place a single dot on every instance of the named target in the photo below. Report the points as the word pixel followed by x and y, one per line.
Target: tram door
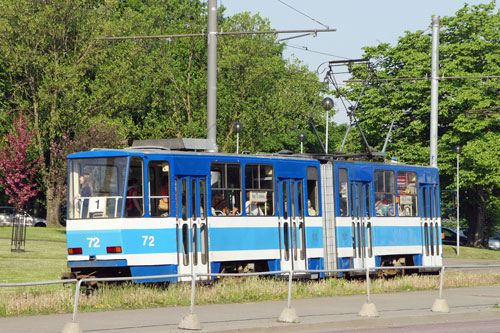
pixel 429 222
pixel 292 224
pixel 192 226
pixel 362 228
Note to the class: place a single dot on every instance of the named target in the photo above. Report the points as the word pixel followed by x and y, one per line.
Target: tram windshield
pixel 96 187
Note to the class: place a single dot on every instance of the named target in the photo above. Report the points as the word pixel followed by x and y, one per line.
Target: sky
pixel 359 23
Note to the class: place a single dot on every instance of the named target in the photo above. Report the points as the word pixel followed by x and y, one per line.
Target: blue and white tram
pixel 144 211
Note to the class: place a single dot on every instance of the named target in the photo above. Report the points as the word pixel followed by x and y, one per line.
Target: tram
pixel 154 210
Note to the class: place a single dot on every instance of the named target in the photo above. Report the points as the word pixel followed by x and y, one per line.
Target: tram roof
pixel 142 151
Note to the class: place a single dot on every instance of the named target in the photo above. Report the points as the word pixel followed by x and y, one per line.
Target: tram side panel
pixel 401 209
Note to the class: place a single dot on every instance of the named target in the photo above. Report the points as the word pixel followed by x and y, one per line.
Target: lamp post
pixel 327 104
pixel 302 138
pixel 458 149
pixel 237 128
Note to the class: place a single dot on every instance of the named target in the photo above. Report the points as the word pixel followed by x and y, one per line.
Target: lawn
pixel 44 257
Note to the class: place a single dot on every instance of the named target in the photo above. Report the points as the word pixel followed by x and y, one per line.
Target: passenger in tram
pixel 134 207
pixel 310 209
pixel 252 207
pixel 219 206
pixel 164 204
pixel 384 207
pixel 85 193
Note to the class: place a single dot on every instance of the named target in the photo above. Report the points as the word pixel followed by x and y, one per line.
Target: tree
pixel 272 97
pixel 469 46
pixel 17 166
pixel 65 76
pixel 48 49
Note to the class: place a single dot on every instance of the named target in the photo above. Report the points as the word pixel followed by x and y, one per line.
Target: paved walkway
pixel 328 314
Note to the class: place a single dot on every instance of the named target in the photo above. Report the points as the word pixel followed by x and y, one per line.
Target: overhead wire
pixel 302 13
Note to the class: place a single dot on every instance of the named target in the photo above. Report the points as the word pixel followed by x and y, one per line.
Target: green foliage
pixel 55 66
pixel 469 46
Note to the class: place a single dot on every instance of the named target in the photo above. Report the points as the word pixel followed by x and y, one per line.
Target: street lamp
pixel 237 128
pixel 458 149
pixel 302 138
pixel 327 104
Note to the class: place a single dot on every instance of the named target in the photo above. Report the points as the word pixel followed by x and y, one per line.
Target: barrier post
pixel 440 304
pixel 190 321
pixel 368 309
pixel 288 315
pixel 73 326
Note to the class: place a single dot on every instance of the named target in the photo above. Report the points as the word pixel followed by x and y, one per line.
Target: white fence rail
pixel 190 321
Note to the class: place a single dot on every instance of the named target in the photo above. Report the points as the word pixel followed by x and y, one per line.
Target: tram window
pixel 159 188
pixel 203 205
pixel 135 189
pixel 407 193
pixel 183 209
pixel 343 193
pixel 300 198
pixel 424 202
pixel 259 190
pixel 193 204
pixel 312 191
pixel 384 193
pixel 435 196
pixel 226 189
pixel 96 187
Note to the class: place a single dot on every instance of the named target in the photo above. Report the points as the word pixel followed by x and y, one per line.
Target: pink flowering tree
pixel 17 168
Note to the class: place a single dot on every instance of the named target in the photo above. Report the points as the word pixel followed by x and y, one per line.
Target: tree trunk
pixel 476 217
pixel 53 202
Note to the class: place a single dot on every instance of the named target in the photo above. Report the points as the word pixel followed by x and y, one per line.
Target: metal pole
pixel 237 143
pixel 212 74
pixel 301 147
pixel 367 283
pixel 458 205
pixel 434 91
pixel 441 283
pixel 290 276
pixel 77 296
pixel 193 288
pixel 326 139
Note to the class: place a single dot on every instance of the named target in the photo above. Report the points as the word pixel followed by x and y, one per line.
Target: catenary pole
pixel 212 74
pixel 434 91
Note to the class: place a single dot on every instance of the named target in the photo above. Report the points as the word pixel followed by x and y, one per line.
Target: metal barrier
pixel 191 322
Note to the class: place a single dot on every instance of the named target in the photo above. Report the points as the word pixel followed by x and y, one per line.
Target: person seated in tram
pixel 219 206
pixel 164 204
pixel 384 207
pixel 134 207
pixel 86 192
pixel 310 209
pixel 252 207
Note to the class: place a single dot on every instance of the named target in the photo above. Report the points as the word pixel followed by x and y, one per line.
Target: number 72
pixel 148 240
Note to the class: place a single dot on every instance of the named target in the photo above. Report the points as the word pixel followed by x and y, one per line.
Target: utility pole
pixel 434 91
pixel 212 75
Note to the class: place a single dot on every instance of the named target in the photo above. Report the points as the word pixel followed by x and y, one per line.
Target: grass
pixel 470 253
pixel 45 259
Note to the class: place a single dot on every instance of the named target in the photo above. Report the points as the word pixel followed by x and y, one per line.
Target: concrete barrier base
pixel 368 310
pixel 71 328
pixel 190 322
pixel 288 315
pixel 440 305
